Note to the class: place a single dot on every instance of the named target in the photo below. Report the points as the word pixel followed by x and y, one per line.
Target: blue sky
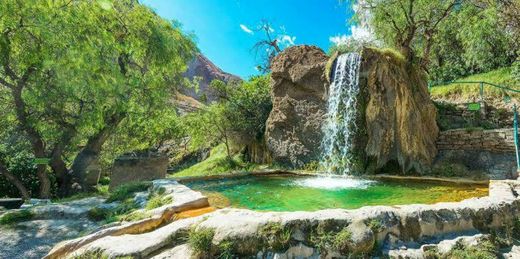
pixel 223 27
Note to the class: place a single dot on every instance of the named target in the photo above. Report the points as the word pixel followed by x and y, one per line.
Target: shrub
pixel 276 236
pixel 201 240
pixel 225 249
pixel 98 214
pixel 483 250
pixel 516 71
pixel 121 212
pixel 128 190
pixel 16 216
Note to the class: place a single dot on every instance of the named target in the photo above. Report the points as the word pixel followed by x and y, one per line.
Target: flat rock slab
pixel 150 239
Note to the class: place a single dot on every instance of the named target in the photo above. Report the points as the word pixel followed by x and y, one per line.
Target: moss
pixel 276 237
pixel 128 190
pixel 200 241
pixel 13 217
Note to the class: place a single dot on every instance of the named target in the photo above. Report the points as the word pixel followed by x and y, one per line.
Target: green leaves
pixel 92 60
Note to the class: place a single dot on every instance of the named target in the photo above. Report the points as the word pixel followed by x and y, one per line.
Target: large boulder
pixel 299 88
pixel 396 119
pixel 400 117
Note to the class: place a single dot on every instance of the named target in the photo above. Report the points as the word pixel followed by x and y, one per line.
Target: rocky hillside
pixel 204 69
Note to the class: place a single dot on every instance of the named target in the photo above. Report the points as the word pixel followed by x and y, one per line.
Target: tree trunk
pixel 63 176
pixel 15 181
pixel 36 140
pixel 92 150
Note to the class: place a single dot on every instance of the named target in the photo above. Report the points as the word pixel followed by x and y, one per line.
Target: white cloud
pixel 359 35
pixel 246 29
pixel 287 40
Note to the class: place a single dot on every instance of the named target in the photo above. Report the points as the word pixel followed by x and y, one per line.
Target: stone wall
pixel 138 168
pixel 487 152
pixel 499 140
pixel 456 116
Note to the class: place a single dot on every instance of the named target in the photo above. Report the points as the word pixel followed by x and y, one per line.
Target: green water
pixel 312 193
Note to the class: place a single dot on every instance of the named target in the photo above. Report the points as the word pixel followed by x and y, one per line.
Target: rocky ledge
pixel 377 230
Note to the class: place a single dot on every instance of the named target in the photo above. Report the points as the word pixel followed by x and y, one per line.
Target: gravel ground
pixel 34 239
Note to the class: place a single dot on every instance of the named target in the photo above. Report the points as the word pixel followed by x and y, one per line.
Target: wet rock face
pixel 299 87
pixel 400 116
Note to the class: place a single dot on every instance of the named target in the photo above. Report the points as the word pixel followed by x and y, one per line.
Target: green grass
pixel 200 240
pixel 16 216
pixel 217 163
pixel 101 191
pixel 157 201
pixel 470 92
pixel 128 190
pixel 276 237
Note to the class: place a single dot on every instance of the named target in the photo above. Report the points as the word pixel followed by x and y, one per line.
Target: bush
pixel 128 190
pixel 15 217
pixel 98 214
pixel 516 71
pixel 21 165
pixel 201 240
pixel 276 236
pixel 484 250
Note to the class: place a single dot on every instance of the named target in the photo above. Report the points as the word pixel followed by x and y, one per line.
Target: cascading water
pixel 340 123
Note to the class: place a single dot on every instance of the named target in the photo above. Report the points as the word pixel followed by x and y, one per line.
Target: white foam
pixel 334 183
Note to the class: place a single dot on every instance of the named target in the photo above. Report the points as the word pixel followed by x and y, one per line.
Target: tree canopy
pixel 74 71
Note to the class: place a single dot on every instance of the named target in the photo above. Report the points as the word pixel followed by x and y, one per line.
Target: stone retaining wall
pixel 488 152
pixel 498 140
pixel 454 116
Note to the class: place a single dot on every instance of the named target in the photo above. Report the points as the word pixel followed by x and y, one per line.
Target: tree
pixel 408 25
pixel 240 114
pixel 272 42
pixel 75 70
pixel 472 40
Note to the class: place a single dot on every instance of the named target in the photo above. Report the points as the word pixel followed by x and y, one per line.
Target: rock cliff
pixel 397 119
pixel 299 86
pixel 202 68
pixel 400 117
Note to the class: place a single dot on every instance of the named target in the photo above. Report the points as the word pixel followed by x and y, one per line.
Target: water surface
pixel 282 193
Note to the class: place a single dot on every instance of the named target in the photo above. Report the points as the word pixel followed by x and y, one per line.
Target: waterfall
pixel 340 122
